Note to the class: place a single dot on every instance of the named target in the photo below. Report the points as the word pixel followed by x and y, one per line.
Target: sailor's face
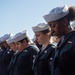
pixel 57 28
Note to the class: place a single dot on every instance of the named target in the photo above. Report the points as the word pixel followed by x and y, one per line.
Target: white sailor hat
pixel 0 40
pixel 73 25
pixel 40 27
pixel 56 13
pixel 6 36
pixel 10 40
pixel 19 36
pixel 34 38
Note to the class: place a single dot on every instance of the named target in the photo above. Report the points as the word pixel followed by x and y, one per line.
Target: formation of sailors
pixel 52 51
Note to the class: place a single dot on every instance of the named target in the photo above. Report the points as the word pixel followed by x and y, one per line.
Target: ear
pixel 24 41
pixel 49 33
pixel 65 21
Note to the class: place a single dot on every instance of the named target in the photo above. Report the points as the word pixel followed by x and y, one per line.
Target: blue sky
pixel 19 15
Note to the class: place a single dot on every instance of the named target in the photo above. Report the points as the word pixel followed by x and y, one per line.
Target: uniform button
pixel 45 51
pixel 25 51
pixel 8 52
